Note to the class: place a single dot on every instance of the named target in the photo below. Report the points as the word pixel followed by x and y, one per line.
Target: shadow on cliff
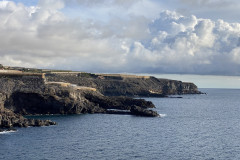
pixel 34 103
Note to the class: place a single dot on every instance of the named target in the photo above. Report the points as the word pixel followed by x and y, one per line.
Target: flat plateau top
pixel 123 75
pixel 20 73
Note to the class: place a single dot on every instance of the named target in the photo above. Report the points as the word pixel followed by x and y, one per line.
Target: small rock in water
pixel 136 110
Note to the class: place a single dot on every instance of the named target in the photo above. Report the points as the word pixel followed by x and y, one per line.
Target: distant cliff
pixel 126 85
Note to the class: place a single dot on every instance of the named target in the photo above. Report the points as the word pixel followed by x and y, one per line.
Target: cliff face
pixel 31 95
pixel 171 87
pixel 9 119
pixel 126 85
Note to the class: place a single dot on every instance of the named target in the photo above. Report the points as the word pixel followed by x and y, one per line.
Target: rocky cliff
pixel 74 93
pixel 126 85
pixel 9 119
pixel 26 94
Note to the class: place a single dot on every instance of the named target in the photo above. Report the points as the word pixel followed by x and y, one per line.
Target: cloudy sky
pixel 134 36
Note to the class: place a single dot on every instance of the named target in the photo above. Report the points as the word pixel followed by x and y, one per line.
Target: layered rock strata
pixel 126 85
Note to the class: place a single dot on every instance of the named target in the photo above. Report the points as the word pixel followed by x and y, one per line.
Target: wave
pixel 162 115
pixel 7 132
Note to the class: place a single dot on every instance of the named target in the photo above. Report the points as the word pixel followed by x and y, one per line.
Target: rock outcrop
pixel 8 119
pixel 138 111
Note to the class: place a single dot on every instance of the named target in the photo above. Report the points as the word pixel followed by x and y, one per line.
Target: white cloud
pixel 189 45
pixel 235 53
pixel 43 36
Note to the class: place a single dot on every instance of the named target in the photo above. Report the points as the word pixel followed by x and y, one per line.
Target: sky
pixel 177 37
pixel 204 81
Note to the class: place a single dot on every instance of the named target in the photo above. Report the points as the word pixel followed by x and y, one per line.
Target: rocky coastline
pixel 9 120
pixel 125 85
pixel 78 93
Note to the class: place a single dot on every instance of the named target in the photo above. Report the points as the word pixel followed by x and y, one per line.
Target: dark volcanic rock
pixel 56 101
pixel 8 119
pixel 126 85
pixel 136 110
pixel 121 103
pixel 122 112
pixel 69 101
pixel 8 129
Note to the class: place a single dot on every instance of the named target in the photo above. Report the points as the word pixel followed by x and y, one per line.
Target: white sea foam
pixel 7 132
pixel 162 115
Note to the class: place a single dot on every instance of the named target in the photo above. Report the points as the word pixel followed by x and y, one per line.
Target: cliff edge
pixel 126 85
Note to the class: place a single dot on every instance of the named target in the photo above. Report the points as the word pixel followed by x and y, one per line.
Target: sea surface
pixel 195 127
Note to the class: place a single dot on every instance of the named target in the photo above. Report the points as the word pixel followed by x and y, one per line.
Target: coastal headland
pixel 36 92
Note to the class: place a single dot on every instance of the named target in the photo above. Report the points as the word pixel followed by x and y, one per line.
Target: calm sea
pixel 201 127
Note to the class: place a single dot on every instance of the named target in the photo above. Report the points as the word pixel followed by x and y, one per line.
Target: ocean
pixel 195 127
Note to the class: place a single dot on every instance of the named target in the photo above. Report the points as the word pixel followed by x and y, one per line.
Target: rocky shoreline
pixel 40 94
pixel 9 120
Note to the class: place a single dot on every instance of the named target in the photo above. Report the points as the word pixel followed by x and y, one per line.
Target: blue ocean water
pixel 201 127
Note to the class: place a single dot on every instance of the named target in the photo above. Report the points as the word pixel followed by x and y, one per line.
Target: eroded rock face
pixel 60 102
pixel 27 96
pixel 8 119
pixel 117 102
pixel 30 95
pixel 67 100
pixel 2 100
pixel 125 85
